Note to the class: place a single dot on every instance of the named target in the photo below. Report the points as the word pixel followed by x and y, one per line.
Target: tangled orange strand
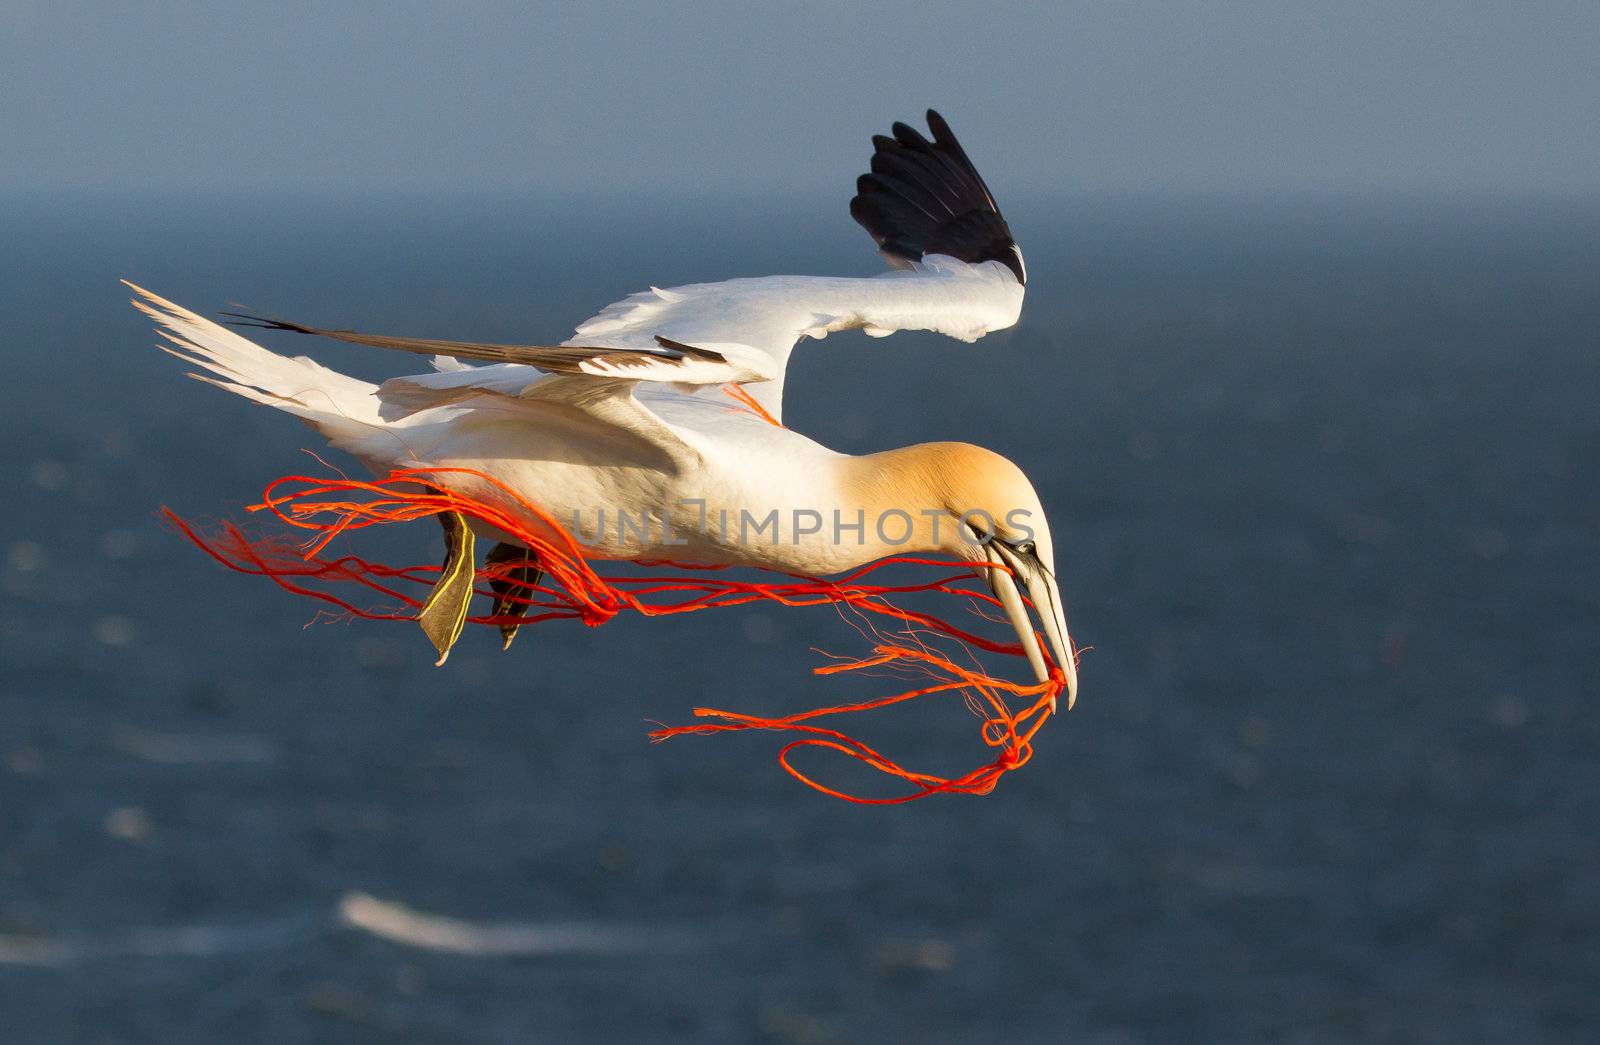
pixel 326 508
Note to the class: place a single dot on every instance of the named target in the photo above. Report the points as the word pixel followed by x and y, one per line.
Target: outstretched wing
pixel 958 271
pixel 925 197
pixel 665 360
pixel 960 274
pixel 374 421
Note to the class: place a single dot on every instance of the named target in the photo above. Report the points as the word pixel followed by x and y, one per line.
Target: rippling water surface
pixel 1323 480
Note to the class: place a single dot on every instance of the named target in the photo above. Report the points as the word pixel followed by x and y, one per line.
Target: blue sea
pixel 1322 474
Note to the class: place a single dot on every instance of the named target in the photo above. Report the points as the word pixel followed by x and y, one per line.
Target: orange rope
pixel 750 402
pixel 326 508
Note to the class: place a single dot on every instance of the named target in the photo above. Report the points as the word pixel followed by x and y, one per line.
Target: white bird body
pixel 710 498
pixel 629 438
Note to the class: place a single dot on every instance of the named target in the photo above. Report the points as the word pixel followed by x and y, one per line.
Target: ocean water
pixel 1323 480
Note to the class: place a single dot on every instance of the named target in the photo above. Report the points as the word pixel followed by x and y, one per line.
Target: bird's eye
pixel 1024 547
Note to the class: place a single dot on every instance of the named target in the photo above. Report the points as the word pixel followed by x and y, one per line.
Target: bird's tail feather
pixel 341 407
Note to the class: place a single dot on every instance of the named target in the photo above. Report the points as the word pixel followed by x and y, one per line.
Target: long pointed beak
pixel 1046 599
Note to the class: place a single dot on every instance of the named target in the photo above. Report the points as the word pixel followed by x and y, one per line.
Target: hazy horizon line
pixel 743 197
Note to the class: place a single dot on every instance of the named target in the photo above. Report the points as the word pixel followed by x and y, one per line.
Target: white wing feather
pixel 772 313
pixel 922 202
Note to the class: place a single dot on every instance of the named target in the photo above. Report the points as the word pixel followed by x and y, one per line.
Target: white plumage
pixel 773 313
pixel 633 414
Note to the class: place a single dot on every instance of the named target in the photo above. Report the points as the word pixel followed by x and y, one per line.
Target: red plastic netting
pixel 1011 713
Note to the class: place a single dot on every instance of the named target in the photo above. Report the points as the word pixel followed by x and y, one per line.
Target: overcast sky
pixel 1287 97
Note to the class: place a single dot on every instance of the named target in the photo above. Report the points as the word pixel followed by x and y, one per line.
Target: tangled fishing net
pixel 905 642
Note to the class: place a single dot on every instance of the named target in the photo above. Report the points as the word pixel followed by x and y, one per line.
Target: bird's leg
pixel 524 576
pixel 444 613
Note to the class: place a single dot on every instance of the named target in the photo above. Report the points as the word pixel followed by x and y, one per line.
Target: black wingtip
pixel 925 197
pixel 255 322
pixel 690 351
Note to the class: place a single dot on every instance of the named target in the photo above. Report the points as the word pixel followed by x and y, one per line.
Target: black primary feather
pixel 556 359
pixel 925 197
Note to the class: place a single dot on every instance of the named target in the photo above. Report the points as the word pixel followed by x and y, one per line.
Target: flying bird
pixel 656 430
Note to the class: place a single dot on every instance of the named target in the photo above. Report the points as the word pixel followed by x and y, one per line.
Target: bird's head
pixel 979 507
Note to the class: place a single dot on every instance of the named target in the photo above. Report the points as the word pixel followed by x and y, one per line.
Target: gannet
pixel 657 428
